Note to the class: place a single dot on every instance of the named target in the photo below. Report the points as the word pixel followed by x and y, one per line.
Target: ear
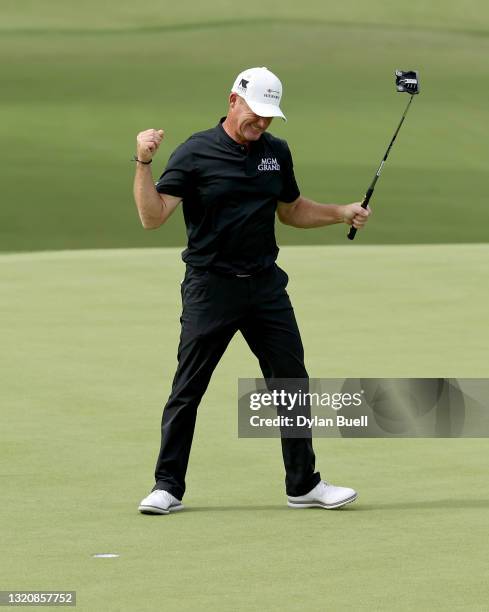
pixel 233 97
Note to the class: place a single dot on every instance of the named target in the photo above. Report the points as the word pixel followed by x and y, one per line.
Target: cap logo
pixel 243 84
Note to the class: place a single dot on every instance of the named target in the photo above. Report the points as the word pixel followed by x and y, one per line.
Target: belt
pixel 242 274
pixel 234 274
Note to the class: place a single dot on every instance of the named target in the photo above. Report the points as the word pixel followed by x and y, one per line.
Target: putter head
pixel 407 82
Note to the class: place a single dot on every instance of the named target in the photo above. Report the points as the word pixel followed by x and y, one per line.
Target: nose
pixel 263 122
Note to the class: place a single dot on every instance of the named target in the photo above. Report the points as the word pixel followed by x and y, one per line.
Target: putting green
pixel 88 353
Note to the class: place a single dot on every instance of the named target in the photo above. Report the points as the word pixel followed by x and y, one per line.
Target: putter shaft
pixel 370 190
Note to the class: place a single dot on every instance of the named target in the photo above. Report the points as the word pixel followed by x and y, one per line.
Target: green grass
pixel 81 79
pixel 89 341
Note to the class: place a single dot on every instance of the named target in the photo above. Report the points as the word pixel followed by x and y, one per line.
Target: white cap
pixel 261 90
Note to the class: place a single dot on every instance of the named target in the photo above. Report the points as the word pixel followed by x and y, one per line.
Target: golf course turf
pixel 89 341
pixel 81 80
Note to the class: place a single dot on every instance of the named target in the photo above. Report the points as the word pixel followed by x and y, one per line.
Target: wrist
pixel 340 213
pixel 143 162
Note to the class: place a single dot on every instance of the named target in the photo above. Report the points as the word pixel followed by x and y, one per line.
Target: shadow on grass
pixel 435 504
pixel 254 508
pixel 243 508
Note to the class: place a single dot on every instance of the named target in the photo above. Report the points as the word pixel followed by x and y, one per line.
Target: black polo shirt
pixel 230 195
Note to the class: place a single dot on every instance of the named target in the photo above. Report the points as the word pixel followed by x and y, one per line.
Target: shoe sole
pixel 156 510
pixel 300 505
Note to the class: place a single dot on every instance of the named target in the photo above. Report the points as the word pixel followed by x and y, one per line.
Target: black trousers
pixel 215 307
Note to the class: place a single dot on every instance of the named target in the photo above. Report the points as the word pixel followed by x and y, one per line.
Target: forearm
pixel 306 213
pixel 149 204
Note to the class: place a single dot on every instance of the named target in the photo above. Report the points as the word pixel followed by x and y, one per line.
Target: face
pixel 247 126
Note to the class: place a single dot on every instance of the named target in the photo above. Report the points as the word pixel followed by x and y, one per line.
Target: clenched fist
pixel 148 143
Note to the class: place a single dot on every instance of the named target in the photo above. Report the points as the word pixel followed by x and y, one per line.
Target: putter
pixel 406 82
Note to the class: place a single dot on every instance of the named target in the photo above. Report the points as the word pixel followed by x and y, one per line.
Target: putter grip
pixel 366 200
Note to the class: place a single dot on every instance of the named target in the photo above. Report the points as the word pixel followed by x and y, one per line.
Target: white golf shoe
pixel 160 502
pixel 323 495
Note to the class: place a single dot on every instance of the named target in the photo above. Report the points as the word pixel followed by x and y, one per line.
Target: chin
pixel 252 135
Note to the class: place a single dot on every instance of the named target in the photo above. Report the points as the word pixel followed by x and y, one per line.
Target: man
pixel 232 179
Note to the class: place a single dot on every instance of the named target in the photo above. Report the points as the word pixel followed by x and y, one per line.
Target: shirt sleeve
pixel 290 191
pixel 176 179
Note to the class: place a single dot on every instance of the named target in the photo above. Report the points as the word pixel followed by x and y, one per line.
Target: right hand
pixel 148 143
pixel 354 214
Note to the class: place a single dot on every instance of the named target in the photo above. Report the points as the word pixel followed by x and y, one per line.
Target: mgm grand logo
pixel 269 163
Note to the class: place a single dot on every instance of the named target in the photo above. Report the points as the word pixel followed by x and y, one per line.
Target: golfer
pixel 231 180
